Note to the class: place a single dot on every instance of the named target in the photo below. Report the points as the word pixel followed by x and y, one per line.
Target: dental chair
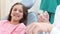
pixel 32 17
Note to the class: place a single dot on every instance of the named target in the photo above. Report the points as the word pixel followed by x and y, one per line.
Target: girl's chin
pixel 16 19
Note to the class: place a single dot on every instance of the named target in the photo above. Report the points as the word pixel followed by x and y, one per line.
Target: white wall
pixel 0 9
pixel 36 5
pixel 3 8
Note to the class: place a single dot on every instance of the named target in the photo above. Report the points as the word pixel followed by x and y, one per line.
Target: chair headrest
pixel 28 3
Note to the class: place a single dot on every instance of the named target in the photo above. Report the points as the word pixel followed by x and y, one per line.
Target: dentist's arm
pixel 34 28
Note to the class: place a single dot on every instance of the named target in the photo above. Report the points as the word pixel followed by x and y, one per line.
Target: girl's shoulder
pixel 3 21
pixel 22 26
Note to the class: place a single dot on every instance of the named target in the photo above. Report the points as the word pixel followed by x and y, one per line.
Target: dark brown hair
pixel 25 13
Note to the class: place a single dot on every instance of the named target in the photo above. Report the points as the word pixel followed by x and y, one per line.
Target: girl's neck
pixel 15 22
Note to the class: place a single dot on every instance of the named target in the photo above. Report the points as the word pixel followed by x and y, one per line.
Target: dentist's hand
pixel 34 28
pixel 30 28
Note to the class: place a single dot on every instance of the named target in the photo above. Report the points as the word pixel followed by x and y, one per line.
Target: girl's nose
pixel 17 11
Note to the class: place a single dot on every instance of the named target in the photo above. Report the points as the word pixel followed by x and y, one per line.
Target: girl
pixel 15 24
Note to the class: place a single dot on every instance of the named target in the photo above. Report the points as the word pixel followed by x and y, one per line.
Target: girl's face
pixel 17 12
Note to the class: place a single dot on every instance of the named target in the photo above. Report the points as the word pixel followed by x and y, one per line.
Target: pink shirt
pixel 7 28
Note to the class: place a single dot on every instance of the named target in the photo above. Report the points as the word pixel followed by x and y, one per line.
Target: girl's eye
pixel 15 9
pixel 20 11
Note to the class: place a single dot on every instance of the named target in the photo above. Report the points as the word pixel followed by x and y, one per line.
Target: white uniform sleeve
pixel 57 17
pixel 55 30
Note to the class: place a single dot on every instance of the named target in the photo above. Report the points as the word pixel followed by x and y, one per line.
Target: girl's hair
pixel 25 14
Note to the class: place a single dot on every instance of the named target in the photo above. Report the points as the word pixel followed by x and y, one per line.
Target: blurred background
pixel 5 6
